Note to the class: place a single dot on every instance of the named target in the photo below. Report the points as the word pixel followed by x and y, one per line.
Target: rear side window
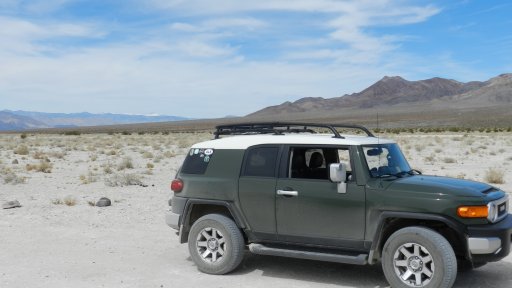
pixel 197 161
pixel 261 162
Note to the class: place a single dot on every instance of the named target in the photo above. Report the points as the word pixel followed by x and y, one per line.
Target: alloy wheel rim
pixel 211 245
pixel 414 265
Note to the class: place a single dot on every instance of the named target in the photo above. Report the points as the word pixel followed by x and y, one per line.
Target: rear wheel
pixel 216 245
pixel 419 257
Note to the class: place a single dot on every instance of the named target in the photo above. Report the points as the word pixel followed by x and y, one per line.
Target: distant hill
pixel 13 122
pixel 22 120
pixel 392 93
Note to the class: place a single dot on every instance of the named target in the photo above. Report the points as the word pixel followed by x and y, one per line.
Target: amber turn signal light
pixel 473 211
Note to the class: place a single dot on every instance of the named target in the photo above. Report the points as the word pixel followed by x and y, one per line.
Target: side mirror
pixel 338 174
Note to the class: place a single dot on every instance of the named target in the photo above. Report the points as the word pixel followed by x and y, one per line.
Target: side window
pixel 313 163
pixel 197 161
pixel 309 163
pixel 261 162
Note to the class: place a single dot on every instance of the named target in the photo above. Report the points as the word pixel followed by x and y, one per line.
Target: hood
pixel 442 185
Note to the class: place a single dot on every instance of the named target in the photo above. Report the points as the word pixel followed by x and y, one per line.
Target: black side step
pixel 361 259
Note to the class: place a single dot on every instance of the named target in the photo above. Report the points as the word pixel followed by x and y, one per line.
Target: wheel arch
pixel 196 208
pixel 390 222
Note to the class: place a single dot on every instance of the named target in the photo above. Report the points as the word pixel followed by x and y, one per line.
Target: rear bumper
pixel 173 220
pixel 489 243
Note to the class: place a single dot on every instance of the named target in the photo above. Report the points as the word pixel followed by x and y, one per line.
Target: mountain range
pixel 23 120
pixel 391 101
pixel 397 102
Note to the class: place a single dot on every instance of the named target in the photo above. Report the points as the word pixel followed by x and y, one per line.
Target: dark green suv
pixel 309 191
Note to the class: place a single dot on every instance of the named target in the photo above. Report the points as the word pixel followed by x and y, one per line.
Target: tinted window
pixel 261 162
pixel 197 161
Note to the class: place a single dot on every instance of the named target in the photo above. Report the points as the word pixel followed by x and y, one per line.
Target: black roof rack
pixel 279 128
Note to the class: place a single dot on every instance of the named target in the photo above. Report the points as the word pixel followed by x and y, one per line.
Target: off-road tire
pixel 216 245
pixel 420 244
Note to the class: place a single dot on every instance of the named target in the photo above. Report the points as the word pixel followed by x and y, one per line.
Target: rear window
pixel 197 161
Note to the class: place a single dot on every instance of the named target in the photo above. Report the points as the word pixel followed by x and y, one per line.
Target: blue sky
pixel 205 59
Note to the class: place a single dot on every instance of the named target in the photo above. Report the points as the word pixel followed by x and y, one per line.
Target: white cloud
pixel 195 67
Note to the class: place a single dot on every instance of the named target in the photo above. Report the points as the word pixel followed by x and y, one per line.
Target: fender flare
pixel 458 227
pixel 237 216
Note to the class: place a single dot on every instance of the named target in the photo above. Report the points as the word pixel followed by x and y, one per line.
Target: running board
pixel 361 259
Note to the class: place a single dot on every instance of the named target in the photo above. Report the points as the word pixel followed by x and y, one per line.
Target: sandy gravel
pixel 44 244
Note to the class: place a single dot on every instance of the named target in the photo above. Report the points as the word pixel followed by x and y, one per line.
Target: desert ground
pixel 58 238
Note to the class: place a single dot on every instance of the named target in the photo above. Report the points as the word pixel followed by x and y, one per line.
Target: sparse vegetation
pixel 43 166
pixel 449 160
pixel 123 179
pixel 126 163
pixel 494 176
pixel 21 150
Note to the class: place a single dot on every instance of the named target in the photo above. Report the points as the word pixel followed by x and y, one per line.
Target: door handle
pixel 287 193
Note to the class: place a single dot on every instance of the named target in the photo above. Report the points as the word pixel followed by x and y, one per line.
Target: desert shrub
pixel 169 154
pixel 126 133
pixel 147 155
pixel 429 158
pixel 88 178
pixel 12 178
pixel 72 133
pixel 123 179
pixel 23 136
pixel 91 203
pixel 57 201
pixel 494 175
pixel 21 150
pixel 43 166
pixel 69 201
pixel 449 160
pixel 39 155
pixel 126 163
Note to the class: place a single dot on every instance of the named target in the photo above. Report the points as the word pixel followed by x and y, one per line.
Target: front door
pixel 309 209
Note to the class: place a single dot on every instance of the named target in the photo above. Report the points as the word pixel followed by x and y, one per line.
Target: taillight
pixel 177 185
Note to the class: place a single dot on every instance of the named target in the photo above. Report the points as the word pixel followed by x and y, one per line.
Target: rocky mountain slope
pixel 395 92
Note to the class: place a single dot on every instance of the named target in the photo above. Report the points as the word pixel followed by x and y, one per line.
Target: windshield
pixel 386 160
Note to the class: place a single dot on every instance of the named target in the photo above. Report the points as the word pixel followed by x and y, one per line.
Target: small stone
pixel 11 204
pixel 15 161
pixel 103 202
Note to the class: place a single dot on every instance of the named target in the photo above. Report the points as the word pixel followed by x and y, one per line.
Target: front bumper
pixel 489 243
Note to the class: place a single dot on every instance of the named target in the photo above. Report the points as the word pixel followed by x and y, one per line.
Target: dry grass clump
pixel 494 176
pixel 57 201
pixel 126 163
pixel 68 200
pixel 449 160
pixel 10 177
pixel 88 178
pixel 123 179
pixel 147 155
pixel 21 150
pixel 43 166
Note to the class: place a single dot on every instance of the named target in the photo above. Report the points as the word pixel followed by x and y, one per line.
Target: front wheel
pixel 216 245
pixel 419 257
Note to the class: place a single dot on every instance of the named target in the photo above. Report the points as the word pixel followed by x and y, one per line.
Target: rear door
pixel 257 189
pixel 309 210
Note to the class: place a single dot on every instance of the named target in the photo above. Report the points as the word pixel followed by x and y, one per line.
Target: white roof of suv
pixel 245 141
